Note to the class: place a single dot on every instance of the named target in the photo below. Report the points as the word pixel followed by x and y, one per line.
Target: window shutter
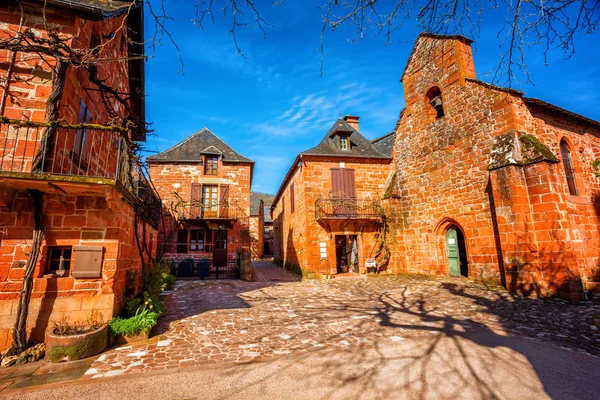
pixel 196 201
pixel 292 205
pixel 349 185
pixel 224 201
pixel 337 181
pixel 87 262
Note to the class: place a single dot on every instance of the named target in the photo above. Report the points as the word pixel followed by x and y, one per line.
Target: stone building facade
pixel 326 214
pixel 205 190
pixel 491 184
pixel 257 226
pixel 88 191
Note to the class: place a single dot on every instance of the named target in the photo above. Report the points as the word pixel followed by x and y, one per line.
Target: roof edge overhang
pixel 92 9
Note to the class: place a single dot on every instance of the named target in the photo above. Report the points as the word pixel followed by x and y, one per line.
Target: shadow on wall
pixel 542 269
pixel 291 262
pixel 447 356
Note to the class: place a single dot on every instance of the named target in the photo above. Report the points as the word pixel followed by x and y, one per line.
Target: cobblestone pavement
pixel 232 321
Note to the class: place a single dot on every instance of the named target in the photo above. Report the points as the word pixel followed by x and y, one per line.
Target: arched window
pixel 565 153
pixel 435 104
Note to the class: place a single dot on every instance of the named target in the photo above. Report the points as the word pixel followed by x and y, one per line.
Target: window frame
pixel 61 270
pixel 570 172
pixel 211 165
pixel 200 240
pixel 212 195
pixel 346 141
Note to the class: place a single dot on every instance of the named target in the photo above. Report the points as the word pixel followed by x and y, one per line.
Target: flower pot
pixel 122 339
pixel 75 347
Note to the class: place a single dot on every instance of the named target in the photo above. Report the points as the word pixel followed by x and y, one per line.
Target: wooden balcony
pixel 347 208
pixel 201 211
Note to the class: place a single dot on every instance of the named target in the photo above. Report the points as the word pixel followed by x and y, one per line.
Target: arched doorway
pixel 456 251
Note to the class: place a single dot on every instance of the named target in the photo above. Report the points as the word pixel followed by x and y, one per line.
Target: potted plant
pixel 140 321
pixel 67 341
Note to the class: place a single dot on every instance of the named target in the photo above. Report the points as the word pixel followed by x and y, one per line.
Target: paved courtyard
pixel 211 322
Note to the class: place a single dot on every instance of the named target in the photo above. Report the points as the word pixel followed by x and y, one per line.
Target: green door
pixel 452 249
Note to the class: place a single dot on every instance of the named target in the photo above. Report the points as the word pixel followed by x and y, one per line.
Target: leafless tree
pixel 552 25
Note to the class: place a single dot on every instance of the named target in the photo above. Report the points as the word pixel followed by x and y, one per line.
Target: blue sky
pixel 274 104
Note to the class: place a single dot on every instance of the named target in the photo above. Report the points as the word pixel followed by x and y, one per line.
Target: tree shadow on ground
pixel 484 355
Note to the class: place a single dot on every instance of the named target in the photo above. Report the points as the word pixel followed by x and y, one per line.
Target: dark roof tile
pixel 385 144
pixel 360 146
pixel 192 149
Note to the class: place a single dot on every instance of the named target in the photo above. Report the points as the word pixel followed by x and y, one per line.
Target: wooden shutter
pixel 337 181
pixel 87 262
pixel 292 205
pixel 196 201
pixel 224 201
pixel 342 182
pixel 349 185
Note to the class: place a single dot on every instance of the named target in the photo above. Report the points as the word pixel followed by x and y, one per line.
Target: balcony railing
pixel 204 210
pixel 347 208
pixel 90 151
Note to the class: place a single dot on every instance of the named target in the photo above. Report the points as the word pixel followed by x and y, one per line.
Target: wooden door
pixel 452 251
pixel 220 248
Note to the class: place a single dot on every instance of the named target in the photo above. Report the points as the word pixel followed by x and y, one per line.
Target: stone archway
pixel 454 255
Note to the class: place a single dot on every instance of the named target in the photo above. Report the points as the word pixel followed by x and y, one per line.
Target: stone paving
pixel 210 322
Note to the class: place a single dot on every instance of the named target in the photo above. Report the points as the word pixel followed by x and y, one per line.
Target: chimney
pixel 352 120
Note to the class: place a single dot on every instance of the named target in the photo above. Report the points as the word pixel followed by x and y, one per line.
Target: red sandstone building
pixel 205 189
pixel 491 184
pixel 93 201
pixel 327 214
pixel 257 226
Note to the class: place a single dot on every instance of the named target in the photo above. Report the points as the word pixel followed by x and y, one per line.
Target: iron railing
pixel 204 210
pixel 80 151
pixel 347 208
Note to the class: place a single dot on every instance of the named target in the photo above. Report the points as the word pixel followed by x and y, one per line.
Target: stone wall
pixel 521 227
pixel 298 235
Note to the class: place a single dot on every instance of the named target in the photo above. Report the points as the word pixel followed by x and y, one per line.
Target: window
pixel 292 197
pixel 59 260
pixel 209 197
pixel 565 153
pixel 211 164
pixel 267 230
pixel 81 135
pixel 196 240
pixel 435 104
pixel 344 142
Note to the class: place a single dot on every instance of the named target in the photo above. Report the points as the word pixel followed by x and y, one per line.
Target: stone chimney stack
pixel 352 120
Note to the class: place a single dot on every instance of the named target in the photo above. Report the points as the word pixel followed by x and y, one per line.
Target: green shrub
pixel 132 306
pixel 170 281
pixel 154 279
pixel 140 322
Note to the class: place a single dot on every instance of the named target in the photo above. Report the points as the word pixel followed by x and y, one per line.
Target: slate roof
pixel 192 148
pixel 99 8
pixel 385 144
pixel 267 199
pixel 360 146
pixel 255 204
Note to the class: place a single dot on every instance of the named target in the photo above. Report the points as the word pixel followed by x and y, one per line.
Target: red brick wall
pixel 178 178
pixel 69 220
pixel 297 235
pixel 519 224
pixel 31 85
pixel 70 209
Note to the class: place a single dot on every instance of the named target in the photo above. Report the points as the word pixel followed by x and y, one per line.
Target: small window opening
pixel 344 143
pixel 567 159
pixel 196 240
pixel 211 165
pixel 436 104
pixel 59 260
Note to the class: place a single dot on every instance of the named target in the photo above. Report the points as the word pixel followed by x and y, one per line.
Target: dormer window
pixel 344 143
pixel 211 165
pixel 435 103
